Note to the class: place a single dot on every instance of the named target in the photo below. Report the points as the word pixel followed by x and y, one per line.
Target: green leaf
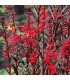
pixel 3 72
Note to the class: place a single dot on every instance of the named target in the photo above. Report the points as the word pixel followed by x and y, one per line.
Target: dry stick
pixel 9 59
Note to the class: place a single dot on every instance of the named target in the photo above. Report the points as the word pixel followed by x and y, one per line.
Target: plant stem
pixel 16 48
pixel 38 39
pixel 43 48
pixel 9 58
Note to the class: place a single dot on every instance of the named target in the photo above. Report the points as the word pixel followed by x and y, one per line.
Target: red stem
pixel 9 58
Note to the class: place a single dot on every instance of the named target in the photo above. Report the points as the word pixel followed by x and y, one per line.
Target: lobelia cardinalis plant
pixel 40 45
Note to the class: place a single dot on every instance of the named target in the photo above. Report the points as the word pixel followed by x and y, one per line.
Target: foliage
pixel 3 72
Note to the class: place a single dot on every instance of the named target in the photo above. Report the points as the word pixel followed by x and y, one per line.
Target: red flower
pixel 68 40
pixel 5 55
pixel 59 15
pixel 65 48
pixel 42 22
pixel 49 54
pixel 26 39
pixel 64 53
pixel 41 11
pixel 46 14
pixel 34 43
pixel 12 48
pixel 7 65
pixel 42 17
pixel 64 29
pixel 36 51
pixel 16 39
pixel 53 71
pixel 68 69
pixel 22 28
pixel 41 26
pixel 66 21
pixel 47 25
pixel 56 56
pixel 30 33
pixel 32 59
pixel 47 60
pixel 24 54
pixel 52 68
